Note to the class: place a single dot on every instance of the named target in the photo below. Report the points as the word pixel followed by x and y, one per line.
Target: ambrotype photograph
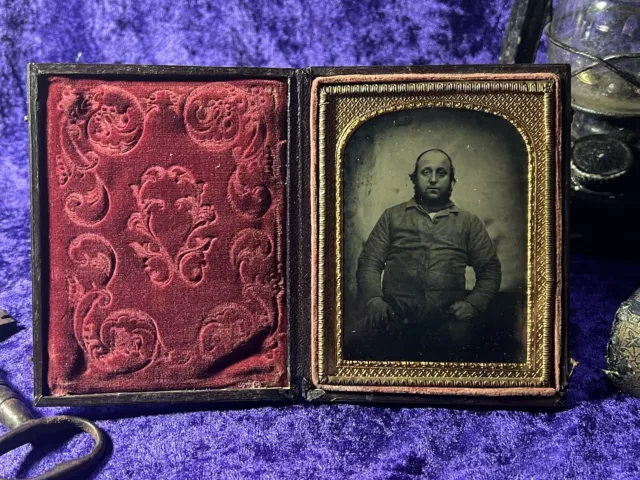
pixel 438 233
pixel 435 238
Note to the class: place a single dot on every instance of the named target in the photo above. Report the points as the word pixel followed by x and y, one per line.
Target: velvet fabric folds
pixel 166 242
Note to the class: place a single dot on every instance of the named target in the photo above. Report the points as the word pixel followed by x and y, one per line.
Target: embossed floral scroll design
pixel 116 342
pixel 221 116
pixel 105 121
pixel 230 327
pixel 173 230
pixel 172 198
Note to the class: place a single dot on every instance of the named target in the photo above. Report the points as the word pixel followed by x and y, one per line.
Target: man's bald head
pixel 433 152
pixel 433 177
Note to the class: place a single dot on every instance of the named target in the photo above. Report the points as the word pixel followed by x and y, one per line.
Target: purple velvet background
pixel 597 437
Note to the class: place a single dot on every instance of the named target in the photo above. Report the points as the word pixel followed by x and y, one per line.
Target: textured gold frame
pixel 531 103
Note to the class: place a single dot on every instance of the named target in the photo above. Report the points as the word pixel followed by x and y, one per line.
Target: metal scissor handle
pixel 23 429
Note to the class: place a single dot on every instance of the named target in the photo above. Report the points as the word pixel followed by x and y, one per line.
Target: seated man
pixel 411 273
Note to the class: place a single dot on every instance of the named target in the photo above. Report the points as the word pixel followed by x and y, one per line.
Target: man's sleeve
pixel 372 260
pixel 485 263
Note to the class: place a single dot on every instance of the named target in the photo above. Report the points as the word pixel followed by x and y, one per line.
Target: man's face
pixel 434 176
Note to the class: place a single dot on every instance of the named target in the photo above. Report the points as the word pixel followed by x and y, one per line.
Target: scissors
pixel 24 429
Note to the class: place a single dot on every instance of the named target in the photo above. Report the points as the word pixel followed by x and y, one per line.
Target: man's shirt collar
pixel 450 208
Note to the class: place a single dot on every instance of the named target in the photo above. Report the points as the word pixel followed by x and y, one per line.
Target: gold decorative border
pixel 530 105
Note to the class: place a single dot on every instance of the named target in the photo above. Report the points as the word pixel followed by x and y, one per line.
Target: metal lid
pixel 599 162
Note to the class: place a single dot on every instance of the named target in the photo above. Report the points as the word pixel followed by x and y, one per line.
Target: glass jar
pixel 610 30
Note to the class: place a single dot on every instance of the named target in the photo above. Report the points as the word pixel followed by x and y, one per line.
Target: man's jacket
pixel 424 260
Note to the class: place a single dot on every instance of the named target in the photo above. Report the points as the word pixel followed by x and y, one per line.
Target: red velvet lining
pixel 166 208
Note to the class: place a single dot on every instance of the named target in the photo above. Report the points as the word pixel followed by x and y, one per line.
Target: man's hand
pixel 378 311
pixel 463 310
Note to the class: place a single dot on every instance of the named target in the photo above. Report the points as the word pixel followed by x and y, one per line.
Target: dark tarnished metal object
pixel 24 429
pixel 8 325
pixel 623 350
pixel 524 29
pixel 601 163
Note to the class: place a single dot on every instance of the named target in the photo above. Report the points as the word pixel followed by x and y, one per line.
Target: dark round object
pixel 601 163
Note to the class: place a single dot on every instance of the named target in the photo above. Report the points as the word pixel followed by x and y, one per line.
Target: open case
pixel 258 235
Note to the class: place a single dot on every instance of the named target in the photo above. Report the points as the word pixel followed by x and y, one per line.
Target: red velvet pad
pixel 166 209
